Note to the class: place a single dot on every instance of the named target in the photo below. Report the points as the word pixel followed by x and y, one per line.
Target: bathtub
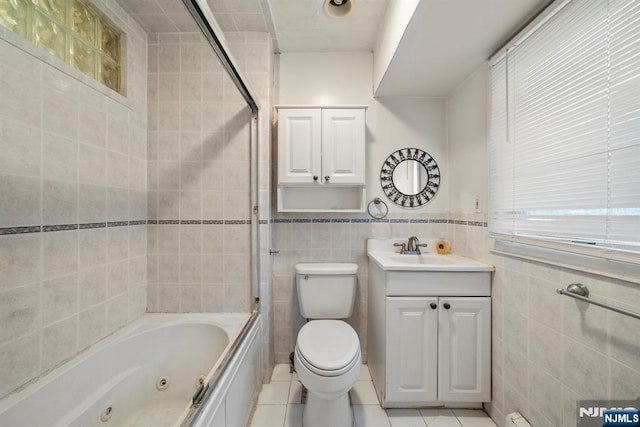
pixel 161 370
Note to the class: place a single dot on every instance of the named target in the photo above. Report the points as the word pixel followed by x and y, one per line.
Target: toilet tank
pixel 326 290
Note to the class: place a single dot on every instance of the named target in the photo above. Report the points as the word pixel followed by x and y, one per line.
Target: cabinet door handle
pixel 446 306
pixel 434 305
pixel 326 178
pixel 315 177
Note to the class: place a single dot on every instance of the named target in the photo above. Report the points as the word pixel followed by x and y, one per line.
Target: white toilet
pixel 327 354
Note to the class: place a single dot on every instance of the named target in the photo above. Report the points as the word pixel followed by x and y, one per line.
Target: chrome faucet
pixel 414 245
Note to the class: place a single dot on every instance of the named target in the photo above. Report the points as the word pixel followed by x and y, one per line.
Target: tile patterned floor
pixel 279 406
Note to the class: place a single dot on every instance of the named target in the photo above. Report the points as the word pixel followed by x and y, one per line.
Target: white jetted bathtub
pixel 149 374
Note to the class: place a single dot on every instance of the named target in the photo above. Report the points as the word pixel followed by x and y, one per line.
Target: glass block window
pixel 73 30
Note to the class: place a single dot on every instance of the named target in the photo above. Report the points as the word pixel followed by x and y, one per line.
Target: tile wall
pixel 332 238
pixel 198 171
pixel 198 151
pixel 73 196
pixel 549 350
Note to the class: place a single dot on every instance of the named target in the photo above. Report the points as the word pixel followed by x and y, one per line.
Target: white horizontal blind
pixel 624 133
pixel 500 153
pixel 565 129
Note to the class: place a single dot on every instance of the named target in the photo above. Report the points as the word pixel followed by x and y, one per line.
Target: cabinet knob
pixel 434 305
pixel 315 177
pixel 326 178
pixel 447 306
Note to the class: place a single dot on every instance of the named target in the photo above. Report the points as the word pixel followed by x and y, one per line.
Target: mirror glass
pixel 409 177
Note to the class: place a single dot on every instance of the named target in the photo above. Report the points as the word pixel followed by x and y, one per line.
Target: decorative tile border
pixel 378 221
pixel 20 230
pixel 111 224
pixel 117 224
pixel 477 223
pixel 61 227
pixel 91 225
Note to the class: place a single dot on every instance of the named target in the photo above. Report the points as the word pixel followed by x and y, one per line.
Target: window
pixel 565 132
pixel 72 30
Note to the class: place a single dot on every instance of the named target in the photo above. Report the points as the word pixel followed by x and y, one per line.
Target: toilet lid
pixel 329 345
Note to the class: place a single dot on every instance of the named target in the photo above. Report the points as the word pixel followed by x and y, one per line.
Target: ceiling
pixel 302 26
pixel 446 40
pixel 443 43
pixel 295 25
pixel 171 16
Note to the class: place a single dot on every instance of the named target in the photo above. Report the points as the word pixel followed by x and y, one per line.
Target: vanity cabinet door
pixel 343 146
pixel 299 145
pixel 412 349
pixel 464 347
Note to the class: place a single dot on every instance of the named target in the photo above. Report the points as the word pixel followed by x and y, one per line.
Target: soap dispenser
pixel 442 245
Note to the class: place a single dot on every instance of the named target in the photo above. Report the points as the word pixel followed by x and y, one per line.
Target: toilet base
pixel 319 412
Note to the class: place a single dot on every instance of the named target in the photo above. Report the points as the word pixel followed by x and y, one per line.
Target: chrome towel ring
pixel 377 201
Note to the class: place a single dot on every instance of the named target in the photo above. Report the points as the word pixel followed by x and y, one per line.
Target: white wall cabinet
pixel 428 350
pixel 321 150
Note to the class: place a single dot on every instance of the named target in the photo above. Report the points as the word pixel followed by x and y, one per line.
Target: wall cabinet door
pixel 325 145
pixel 464 349
pixel 343 146
pixel 412 349
pixel 299 145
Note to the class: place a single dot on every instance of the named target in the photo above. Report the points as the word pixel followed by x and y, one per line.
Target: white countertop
pixel 385 255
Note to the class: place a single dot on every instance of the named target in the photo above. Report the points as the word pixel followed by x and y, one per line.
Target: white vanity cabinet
pixel 321 158
pixel 429 340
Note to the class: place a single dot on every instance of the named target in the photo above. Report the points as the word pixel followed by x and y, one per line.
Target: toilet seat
pixel 328 348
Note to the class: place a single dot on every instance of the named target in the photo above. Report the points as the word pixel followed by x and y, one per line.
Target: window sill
pixel 604 263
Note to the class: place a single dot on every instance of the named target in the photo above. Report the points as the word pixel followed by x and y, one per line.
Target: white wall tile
pixel 20 198
pixel 61 295
pixel 59 341
pixel 20 260
pixel 20 361
pixel 20 148
pixel 20 312
pixel 92 285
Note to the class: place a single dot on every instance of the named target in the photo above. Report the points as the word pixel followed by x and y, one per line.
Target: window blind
pixel 565 129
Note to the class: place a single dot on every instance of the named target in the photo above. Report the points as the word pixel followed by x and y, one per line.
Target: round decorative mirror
pixel 410 177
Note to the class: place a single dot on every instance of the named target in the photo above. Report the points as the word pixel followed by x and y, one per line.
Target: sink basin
pixel 385 255
pixel 424 259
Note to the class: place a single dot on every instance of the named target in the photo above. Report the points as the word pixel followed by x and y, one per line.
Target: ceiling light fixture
pixel 337 8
